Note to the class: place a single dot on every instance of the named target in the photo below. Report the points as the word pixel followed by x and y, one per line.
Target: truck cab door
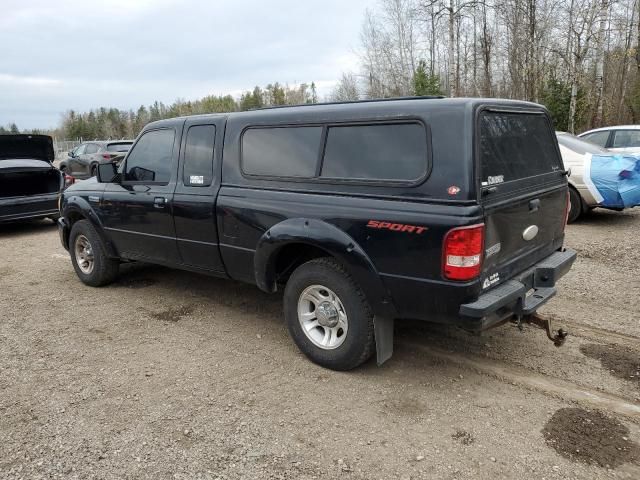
pixel 194 202
pixel 137 211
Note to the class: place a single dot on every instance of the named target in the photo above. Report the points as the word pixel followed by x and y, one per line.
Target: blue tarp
pixel 615 179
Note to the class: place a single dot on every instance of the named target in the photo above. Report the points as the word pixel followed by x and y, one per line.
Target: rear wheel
pixel 328 316
pixel 89 256
pixel 575 205
pixel 94 170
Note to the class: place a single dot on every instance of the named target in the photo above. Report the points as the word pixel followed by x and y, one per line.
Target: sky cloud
pixel 123 53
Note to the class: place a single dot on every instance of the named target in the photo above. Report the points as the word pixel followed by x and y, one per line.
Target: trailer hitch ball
pixel 558 338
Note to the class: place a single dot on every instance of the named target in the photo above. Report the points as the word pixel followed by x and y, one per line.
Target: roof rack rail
pixel 369 100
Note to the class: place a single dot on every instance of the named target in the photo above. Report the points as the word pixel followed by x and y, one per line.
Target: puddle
pixel 619 361
pixel 465 438
pixel 173 314
pixel 590 437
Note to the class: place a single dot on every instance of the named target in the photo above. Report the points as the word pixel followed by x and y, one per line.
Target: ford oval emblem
pixel 530 232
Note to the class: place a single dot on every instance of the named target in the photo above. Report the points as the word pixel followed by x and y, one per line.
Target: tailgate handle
pixel 534 205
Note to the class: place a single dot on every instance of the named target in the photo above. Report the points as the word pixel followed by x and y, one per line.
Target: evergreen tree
pixel 556 96
pixel 425 83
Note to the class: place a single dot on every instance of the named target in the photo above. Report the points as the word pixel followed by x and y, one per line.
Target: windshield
pixel 119 147
pixel 578 145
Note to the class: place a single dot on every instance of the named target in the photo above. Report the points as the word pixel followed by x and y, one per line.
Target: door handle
pixel 159 202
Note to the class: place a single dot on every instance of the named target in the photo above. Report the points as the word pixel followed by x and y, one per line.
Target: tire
pixel 575 205
pixel 103 270
pixel 336 292
pixel 94 170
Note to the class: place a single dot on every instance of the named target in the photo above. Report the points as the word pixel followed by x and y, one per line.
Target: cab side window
pixel 198 156
pixel 151 158
pixel 80 150
pixel 599 138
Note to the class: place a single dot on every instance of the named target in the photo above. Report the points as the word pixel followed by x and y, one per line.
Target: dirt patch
pixel 621 362
pixel 590 437
pixel 135 283
pixel 465 438
pixel 6 271
pixel 173 314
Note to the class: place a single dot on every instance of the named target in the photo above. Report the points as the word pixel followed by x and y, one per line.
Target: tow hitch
pixel 558 338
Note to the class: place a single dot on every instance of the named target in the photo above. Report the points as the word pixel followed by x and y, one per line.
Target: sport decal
pixel 396 227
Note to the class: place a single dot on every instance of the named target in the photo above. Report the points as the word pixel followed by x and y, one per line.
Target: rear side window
pixel 198 156
pixel 281 151
pixel 396 152
pixel 118 147
pixel 626 139
pixel 150 159
pixel 515 146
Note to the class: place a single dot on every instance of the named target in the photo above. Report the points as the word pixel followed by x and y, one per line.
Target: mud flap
pixel 383 330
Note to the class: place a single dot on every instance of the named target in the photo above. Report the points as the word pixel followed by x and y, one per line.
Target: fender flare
pixel 82 207
pixel 332 240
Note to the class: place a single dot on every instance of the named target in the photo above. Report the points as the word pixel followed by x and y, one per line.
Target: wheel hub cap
pixel 327 315
pixel 322 317
pixel 84 254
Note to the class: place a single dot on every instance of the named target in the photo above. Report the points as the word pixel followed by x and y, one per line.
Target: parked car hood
pixel 88 185
pixel 38 147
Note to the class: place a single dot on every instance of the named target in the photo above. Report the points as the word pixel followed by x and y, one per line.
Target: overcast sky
pixel 74 54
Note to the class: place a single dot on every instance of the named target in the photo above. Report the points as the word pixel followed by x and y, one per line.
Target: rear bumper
pixel 34 206
pixel 522 295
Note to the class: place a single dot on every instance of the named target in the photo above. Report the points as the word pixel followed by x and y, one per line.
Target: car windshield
pixel 119 147
pixel 578 145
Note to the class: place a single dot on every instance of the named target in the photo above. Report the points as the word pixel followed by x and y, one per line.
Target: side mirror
pixel 107 172
pixel 70 154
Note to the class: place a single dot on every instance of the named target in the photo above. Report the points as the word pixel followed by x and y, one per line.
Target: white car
pixel 574 151
pixel 621 138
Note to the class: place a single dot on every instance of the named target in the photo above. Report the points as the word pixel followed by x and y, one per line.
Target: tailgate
pixel 523 192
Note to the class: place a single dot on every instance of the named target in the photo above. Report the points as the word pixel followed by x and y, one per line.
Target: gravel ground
pixel 169 374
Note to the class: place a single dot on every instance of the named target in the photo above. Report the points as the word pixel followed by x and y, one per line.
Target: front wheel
pixel 328 316
pixel 89 256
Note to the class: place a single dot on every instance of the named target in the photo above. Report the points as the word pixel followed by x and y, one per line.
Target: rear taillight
pixel 68 180
pixel 106 156
pixel 462 252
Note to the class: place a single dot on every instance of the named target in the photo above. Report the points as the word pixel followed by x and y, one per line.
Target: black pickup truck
pixel 443 210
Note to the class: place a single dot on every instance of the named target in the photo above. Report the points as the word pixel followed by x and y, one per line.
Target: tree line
pixel 578 57
pixel 112 123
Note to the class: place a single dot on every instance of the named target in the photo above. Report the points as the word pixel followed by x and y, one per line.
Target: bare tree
pixel 347 89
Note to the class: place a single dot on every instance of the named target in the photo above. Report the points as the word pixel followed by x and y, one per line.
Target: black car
pixel 443 210
pixel 29 183
pixel 83 160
